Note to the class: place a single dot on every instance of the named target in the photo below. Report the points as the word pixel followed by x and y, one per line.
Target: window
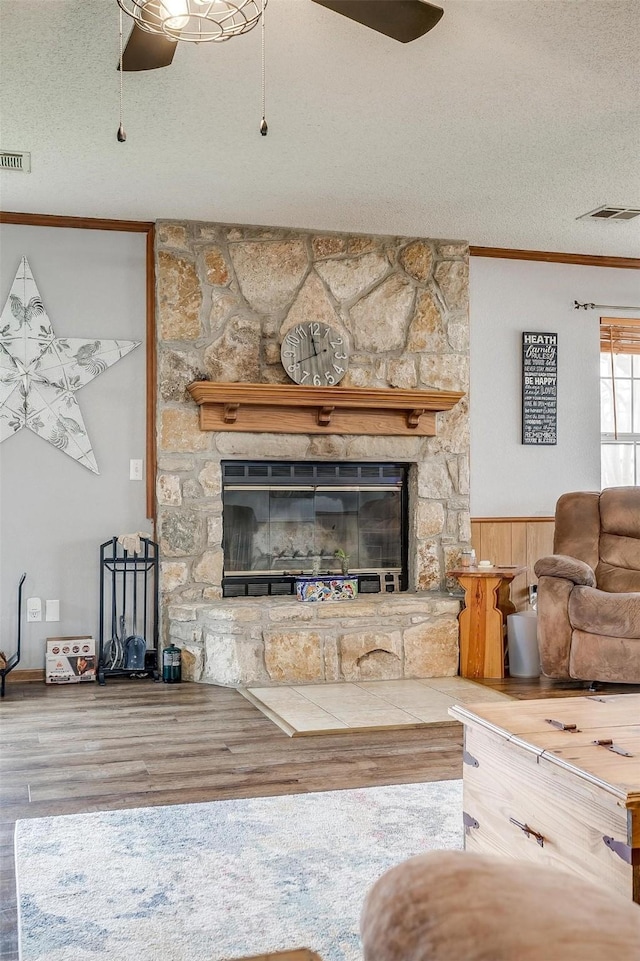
pixel 620 402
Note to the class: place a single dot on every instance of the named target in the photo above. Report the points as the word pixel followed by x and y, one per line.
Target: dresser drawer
pixel 508 788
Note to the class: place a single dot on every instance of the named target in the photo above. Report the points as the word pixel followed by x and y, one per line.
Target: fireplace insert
pixel 282 520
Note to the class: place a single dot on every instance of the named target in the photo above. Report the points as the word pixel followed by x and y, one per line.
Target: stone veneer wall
pixel 226 296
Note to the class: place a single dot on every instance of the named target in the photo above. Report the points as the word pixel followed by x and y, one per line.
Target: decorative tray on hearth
pixel 333 587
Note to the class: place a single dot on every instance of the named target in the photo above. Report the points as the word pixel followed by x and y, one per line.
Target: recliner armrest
pixel 447 905
pixel 561 565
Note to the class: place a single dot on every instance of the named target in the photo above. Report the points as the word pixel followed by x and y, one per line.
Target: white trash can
pixel 522 638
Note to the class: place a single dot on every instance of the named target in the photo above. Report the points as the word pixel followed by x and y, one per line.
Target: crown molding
pixel 85 223
pixel 556 257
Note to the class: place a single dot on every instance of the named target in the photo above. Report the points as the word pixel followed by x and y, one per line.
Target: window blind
pixel 620 335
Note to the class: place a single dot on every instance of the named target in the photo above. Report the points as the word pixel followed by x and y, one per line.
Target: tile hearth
pixel 366 706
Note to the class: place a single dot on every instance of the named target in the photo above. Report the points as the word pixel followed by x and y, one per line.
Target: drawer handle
pixel 608 743
pixel 470 759
pixel 469 821
pixel 561 726
pixel 529 831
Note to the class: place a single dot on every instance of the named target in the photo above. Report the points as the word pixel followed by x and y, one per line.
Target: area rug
pixel 221 880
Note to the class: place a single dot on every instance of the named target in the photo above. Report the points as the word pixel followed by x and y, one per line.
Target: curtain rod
pixel 577 306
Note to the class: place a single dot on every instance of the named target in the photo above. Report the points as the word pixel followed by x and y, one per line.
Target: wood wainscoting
pixel 506 541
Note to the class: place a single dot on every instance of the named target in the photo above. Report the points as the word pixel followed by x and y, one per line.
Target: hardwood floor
pixel 134 743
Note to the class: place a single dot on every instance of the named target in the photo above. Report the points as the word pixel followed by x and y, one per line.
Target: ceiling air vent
pixel 15 160
pixel 607 212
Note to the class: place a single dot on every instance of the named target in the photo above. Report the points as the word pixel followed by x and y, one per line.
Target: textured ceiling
pixel 500 126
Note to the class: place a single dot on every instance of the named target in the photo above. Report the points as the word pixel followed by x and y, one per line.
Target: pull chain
pixel 121 135
pixel 613 387
pixel 264 129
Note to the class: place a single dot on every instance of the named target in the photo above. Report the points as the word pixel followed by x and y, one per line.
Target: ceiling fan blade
pixel 147 51
pixel 402 20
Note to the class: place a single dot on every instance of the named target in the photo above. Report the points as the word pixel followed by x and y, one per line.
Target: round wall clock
pixel 315 355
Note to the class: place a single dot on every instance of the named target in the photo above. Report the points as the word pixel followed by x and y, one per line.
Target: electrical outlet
pixel 34 609
pixel 135 470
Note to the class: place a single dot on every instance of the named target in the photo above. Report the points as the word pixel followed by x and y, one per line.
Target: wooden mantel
pixel 292 409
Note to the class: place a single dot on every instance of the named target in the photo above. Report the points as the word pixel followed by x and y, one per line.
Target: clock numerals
pixel 339 356
pixel 296 336
pixel 338 370
pixel 305 374
pixel 330 379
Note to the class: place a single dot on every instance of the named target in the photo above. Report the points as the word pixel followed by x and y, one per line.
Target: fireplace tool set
pixel 128 643
pixel 8 664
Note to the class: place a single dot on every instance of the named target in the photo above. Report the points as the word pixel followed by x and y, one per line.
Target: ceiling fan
pixel 160 24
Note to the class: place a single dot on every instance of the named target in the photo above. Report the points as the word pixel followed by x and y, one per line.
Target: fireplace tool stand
pixel 15 658
pixel 128 641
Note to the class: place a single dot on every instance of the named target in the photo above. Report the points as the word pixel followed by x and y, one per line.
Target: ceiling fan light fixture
pixel 195 21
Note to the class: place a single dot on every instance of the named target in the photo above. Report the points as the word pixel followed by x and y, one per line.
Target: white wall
pixel 508 297
pixel 54 513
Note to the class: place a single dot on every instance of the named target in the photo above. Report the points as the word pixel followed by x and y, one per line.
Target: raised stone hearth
pixel 246 641
pixel 227 295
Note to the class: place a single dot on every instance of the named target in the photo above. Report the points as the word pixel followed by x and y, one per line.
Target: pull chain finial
pixel 264 129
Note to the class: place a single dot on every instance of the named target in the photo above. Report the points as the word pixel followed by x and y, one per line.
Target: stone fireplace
pixel 227 295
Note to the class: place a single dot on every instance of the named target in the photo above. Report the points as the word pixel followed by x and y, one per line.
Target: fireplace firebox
pixel 282 520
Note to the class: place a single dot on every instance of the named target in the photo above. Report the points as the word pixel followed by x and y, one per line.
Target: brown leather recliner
pixel 462 906
pixel 589 589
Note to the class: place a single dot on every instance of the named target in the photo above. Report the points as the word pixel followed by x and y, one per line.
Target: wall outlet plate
pixel 34 609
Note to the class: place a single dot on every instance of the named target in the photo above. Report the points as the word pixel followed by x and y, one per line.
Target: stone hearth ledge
pixel 278 640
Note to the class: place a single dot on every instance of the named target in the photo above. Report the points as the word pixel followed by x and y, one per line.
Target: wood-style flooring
pixel 134 743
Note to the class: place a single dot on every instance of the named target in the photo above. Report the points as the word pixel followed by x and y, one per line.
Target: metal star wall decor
pixel 40 373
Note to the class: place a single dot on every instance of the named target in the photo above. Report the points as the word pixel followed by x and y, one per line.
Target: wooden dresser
pixel 557 781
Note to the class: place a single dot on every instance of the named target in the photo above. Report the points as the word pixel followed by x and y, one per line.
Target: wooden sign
pixel 539 388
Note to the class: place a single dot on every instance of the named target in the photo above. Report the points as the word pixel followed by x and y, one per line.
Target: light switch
pixel 52 610
pixel 34 609
pixel 135 470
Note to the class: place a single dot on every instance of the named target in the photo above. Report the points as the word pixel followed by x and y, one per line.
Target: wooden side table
pixel 483 620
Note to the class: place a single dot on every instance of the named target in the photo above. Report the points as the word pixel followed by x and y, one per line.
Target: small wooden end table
pixel 484 617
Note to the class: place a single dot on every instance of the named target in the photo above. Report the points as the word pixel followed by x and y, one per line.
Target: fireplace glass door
pixel 312 519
